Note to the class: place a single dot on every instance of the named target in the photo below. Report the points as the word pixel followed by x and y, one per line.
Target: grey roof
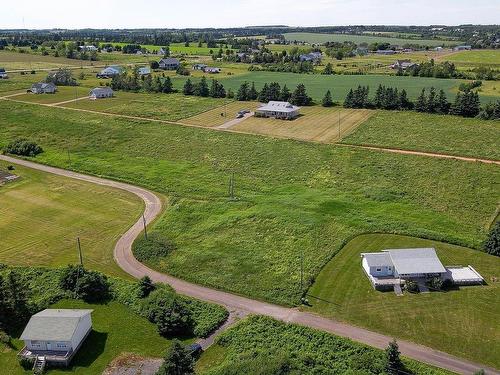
pixel 43 85
pixel 279 107
pixel 106 90
pixel 169 61
pixel 53 325
pixel 420 260
pixel 378 259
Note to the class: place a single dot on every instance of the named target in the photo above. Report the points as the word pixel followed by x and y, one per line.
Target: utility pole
pixel 301 271
pixel 69 157
pixel 144 224
pixel 339 125
pixel 79 251
pixel 231 186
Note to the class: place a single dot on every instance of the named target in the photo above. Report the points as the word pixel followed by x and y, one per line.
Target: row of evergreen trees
pixel 466 104
pixel 274 91
pixel 216 89
pixel 132 82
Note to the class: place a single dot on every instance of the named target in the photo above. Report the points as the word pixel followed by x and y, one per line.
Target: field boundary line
pixel 215 128
pixel 124 257
pixel 420 153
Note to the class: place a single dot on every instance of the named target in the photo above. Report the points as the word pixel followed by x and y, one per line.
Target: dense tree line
pixel 216 89
pixel 134 82
pixel 466 104
pixel 274 91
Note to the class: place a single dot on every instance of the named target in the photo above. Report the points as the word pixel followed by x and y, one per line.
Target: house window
pixel 60 345
pixel 35 344
pixel 379 269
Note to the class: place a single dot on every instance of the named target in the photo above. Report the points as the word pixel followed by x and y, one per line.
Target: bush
pixel 62 77
pixel 178 360
pixel 169 312
pixel 23 147
pixel 145 287
pixel 154 247
pixel 492 243
pixel 436 283
pixel 411 286
pixel 26 363
pixel 92 287
pixel 10 168
pixel 4 338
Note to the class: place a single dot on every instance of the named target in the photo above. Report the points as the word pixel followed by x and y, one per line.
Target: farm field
pixel 474 58
pixel 316 124
pixel 62 94
pixel 220 115
pixel 425 132
pixel 340 85
pixel 18 61
pixel 290 196
pixel 260 345
pixel 318 38
pixel 108 340
pixel 41 215
pixel 172 107
pixel 462 322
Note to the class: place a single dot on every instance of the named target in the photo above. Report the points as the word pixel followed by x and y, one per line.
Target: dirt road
pixel 242 305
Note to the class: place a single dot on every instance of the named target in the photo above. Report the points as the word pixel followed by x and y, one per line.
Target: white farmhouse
pixel 55 335
pixel 279 110
pixel 100 93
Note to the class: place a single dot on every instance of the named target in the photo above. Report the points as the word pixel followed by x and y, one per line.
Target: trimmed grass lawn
pixel 17 61
pixel 41 215
pixel 316 124
pixel 319 38
pixel 172 107
pixel 317 84
pixel 116 330
pixel 462 322
pixel 62 94
pixel 425 132
pixel 220 115
pixel 18 82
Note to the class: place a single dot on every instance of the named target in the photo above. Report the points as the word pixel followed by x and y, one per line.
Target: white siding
pixel 84 326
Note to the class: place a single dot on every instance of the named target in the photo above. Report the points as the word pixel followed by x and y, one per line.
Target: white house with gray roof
pixel 169 63
pixel 279 110
pixel 43 88
pixel 100 93
pixel 392 267
pixel 55 335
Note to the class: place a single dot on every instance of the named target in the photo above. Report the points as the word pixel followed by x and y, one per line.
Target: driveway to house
pixel 241 305
pixel 236 121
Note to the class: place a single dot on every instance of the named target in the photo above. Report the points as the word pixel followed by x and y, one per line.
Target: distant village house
pixel 169 63
pixel 403 64
pixel 101 93
pixel 110 71
pixel 43 88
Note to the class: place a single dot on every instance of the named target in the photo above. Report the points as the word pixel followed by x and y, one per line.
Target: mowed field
pixel 10 60
pixel 107 341
pixel 41 216
pixel 316 124
pixel 463 322
pixel 172 107
pixel 474 58
pixel 426 132
pixel 220 115
pixel 318 38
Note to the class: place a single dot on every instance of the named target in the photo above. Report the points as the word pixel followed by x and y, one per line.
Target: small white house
pixel 110 71
pixel 55 335
pixel 169 63
pixel 144 70
pixel 43 88
pixel 101 93
pixel 279 110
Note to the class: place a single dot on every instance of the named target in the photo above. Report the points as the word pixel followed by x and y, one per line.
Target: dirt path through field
pixel 241 305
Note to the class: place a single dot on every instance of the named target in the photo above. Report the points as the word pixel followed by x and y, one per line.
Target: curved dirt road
pixel 153 207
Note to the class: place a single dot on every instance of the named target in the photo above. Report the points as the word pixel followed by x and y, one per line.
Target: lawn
pixel 425 132
pixel 316 124
pixel 220 115
pixel 10 60
pixel 63 93
pixel 462 322
pixel 319 38
pixel 108 340
pixel 261 345
pixel 317 84
pixel 41 215
pixel 172 107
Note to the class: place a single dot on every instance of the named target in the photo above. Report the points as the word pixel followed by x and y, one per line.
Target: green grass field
pixel 10 60
pixel 474 58
pixel 318 38
pixel 41 215
pixel 291 196
pixel 172 107
pixel 462 322
pixel 317 84
pixel 108 340
pixel 425 132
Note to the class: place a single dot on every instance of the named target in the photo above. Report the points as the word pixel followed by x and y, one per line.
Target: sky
pixel 70 14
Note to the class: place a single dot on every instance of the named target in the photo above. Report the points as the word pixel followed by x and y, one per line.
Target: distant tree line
pixel 274 91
